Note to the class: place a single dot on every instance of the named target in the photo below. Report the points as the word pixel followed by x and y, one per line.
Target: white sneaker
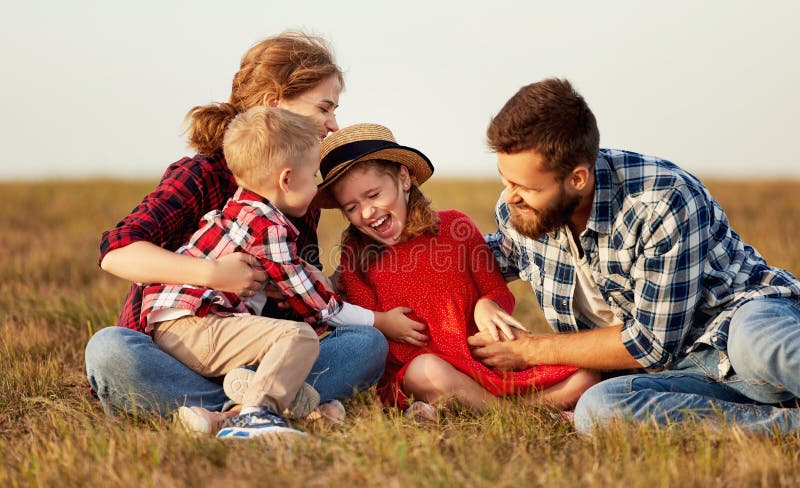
pixel 199 420
pixel 236 383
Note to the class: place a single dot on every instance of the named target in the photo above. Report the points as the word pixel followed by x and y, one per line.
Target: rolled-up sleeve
pixel 307 296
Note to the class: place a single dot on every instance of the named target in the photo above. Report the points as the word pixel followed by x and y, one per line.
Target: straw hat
pixel 345 147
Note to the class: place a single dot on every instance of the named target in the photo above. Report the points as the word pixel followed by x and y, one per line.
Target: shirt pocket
pixel 529 271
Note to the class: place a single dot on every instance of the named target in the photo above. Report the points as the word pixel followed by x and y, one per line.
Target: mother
pixel 124 367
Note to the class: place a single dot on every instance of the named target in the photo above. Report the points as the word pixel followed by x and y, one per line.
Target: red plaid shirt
pixel 250 224
pixel 169 215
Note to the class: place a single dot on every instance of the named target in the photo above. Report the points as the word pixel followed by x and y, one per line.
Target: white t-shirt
pixel 588 302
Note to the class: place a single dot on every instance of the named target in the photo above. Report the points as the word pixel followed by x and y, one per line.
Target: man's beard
pixel 537 223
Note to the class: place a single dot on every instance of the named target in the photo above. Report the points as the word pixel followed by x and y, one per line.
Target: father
pixel 635 266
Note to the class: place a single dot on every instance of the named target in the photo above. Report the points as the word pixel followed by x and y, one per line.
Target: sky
pixel 99 88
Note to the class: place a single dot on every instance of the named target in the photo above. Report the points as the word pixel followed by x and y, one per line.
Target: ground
pixel 53 297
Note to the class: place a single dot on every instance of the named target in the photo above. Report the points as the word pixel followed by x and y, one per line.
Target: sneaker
pixel 306 400
pixel 199 420
pixel 237 381
pixel 255 424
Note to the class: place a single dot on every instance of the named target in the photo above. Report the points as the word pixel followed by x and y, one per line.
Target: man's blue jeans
pixel 129 372
pixel 764 350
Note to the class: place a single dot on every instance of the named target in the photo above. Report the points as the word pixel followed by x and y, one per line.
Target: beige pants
pixel 284 351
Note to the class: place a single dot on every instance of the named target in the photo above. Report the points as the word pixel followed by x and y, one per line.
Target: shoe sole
pixel 245 433
pixel 236 382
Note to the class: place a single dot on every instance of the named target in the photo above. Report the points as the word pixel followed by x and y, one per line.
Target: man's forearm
pixel 600 349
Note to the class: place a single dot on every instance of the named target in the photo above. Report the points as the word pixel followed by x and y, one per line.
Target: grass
pixel 53 297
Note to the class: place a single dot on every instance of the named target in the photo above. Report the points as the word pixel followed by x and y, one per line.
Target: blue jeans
pixel 764 351
pixel 130 373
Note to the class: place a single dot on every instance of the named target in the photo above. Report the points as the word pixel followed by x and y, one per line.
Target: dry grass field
pixel 53 297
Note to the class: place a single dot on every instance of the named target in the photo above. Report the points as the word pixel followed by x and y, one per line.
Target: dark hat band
pixel 350 151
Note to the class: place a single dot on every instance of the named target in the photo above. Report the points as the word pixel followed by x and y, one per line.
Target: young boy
pixel 274 155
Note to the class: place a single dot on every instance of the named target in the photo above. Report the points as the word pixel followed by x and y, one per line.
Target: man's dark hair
pixel 551 118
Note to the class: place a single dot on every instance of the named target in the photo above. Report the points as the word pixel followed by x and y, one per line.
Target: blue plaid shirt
pixel 662 253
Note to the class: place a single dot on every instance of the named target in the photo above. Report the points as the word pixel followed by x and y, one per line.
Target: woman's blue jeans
pixel 130 373
pixel 764 351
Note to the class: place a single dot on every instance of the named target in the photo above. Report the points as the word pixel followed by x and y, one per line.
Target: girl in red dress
pixel 398 252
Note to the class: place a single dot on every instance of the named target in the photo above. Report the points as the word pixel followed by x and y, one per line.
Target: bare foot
pixel 421 412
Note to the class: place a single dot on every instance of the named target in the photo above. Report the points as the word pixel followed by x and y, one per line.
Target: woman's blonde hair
pixel 282 66
pixel 421 219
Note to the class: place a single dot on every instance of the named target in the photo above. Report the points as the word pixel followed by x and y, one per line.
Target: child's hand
pixel 319 276
pixel 396 326
pixel 489 317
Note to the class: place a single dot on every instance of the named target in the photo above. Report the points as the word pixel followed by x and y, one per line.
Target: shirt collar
pixel 265 208
pixel 603 210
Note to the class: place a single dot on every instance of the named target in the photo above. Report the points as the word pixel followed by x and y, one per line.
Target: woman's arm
pixel 144 262
pixel 135 248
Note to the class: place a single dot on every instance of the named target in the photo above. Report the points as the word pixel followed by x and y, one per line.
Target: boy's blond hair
pixel 262 139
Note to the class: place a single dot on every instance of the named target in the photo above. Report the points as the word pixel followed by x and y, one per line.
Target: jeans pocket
pixel 707 361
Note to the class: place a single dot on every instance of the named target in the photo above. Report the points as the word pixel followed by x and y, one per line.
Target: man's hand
pixel 598 349
pixel 489 317
pixel 505 355
pixel 233 273
pixel 396 326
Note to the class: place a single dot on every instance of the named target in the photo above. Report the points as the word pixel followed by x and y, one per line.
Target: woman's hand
pixel 396 326
pixel 233 273
pixel 144 262
pixel 489 317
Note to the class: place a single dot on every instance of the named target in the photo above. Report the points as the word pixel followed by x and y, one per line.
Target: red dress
pixel 441 279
